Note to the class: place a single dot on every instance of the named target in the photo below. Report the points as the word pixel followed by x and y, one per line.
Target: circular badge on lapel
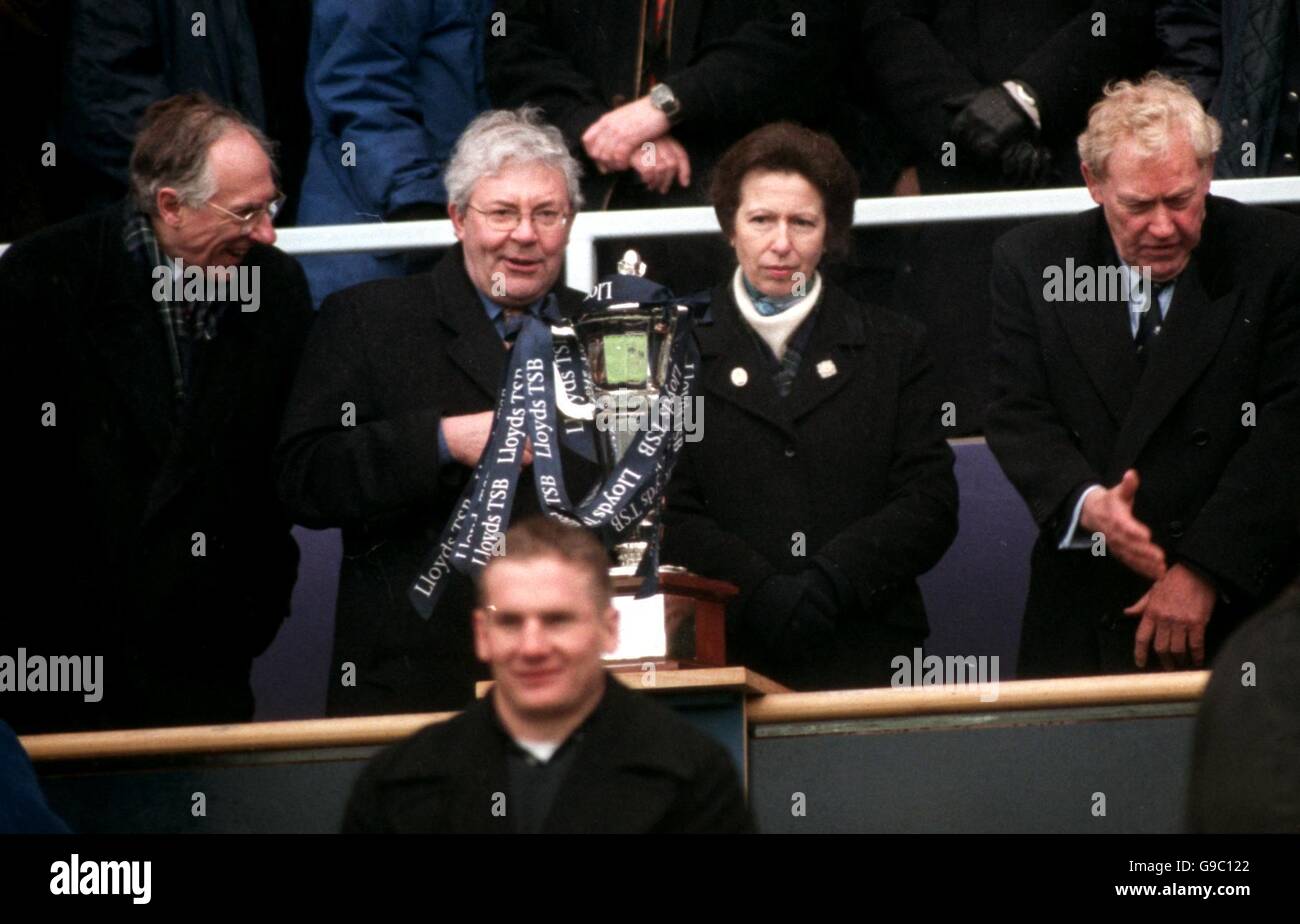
pixel 739 377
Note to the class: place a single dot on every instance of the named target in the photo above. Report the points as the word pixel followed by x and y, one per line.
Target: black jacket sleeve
pixel 1023 427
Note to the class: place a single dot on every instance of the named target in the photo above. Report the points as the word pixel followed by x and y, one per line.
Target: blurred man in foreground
pixel 559 745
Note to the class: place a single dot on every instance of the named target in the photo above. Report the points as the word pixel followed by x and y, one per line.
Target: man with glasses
pixel 558 746
pixel 151 350
pixel 393 406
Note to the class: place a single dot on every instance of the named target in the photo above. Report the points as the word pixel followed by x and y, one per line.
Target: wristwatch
pixel 1024 99
pixel 663 99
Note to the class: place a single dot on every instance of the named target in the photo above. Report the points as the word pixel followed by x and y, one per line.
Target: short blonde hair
pixel 1150 111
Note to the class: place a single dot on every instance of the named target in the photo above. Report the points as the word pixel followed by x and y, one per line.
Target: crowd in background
pixel 366 100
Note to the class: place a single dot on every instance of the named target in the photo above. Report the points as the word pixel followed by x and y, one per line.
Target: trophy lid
pixel 631 264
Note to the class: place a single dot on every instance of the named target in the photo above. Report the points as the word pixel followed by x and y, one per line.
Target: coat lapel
pixel 1192 333
pixel 1100 332
pixel 217 384
pixel 737 371
pixel 126 334
pixel 833 357
pixel 476 349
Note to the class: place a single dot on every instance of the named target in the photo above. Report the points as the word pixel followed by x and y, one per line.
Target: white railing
pixel 589 227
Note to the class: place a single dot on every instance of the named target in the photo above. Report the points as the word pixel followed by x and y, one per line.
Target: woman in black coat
pixel 822 484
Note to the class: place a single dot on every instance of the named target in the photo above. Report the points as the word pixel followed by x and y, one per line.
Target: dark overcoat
pixel 640 769
pixel 387 360
pixel 1212 424
pixel 112 491
pixel 853 466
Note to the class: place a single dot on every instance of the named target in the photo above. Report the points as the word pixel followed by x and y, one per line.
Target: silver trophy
pixel 627 349
pixel 626 346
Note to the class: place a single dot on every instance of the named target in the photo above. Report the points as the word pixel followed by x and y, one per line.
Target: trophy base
pixel 684 625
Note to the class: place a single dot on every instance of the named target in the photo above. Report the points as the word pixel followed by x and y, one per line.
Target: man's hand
pixel 467 437
pixel 661 163
pixel 615 137
pixel 1109 511
pixel 1174 614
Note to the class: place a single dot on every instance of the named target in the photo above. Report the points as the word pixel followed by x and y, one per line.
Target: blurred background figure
pixel 30 40
pixel 391 85
pixel 124 55
pixel 649 95
pixel 1242 59
pixel 1246 756
pixel 23 809
pixel 1006 85
pixel 823 484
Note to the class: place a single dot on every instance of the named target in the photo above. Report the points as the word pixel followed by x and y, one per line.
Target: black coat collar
pixel 834 356
pixel 461 766
pixel 475 346
pixel 1100 333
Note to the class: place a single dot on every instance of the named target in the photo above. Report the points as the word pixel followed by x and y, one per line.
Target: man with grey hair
pixel 393 406
pixel 1147 397
pixel 155 344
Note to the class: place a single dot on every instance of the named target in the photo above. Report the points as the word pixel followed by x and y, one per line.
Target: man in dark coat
pixel 122 56
pixel 393 406
pixel 558 746
pixel 1152 426
pixel 144 518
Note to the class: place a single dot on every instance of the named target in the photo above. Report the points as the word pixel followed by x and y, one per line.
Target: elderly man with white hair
pixel 393 406
pixel 1147 397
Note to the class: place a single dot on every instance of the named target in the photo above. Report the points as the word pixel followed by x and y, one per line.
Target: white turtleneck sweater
pixel 776 330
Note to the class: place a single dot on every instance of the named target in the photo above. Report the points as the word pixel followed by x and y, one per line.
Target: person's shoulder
pixel 1057 233
pixel 881 324
pixel 70 241
pixel 570 300
pixel 434 749
pixel 658 734
pixel 1253 231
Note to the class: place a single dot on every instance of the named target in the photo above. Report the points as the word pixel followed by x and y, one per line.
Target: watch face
pixel 662 98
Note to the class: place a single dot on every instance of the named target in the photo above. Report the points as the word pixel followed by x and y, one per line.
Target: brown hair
pixel 784 147
pixel 547 537
pixel 171 148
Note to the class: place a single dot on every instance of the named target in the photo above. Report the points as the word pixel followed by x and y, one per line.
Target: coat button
pixel 1200 436
pixel 1176 529
pixel 789 452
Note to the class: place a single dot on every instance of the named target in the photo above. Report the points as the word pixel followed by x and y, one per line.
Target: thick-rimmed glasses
pixel 506 219
pixel 249 220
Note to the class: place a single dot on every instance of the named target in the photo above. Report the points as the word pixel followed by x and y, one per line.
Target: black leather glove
pixel 989 122
pixel 791 614
pixel 1026 165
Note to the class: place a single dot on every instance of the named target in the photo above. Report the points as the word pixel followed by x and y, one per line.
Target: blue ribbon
pixel 526 410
